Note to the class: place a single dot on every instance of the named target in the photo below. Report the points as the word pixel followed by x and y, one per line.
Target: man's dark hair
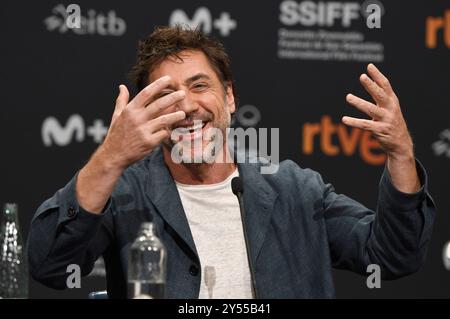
pixel 165 42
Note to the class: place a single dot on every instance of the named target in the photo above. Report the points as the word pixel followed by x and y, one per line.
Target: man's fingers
pixel 376 92
pixel 122 98
pixel 121 102
pixel 363 124
pixel 157 137
pixel 165 121
pixel 379 78
pixel 148 94
pixel 159 128
pixel 164 102
pixel 370 109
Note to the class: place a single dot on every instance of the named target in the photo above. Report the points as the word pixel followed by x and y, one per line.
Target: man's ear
pixel 230 98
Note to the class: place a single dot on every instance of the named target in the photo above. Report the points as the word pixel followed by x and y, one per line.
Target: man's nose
pixel 187 105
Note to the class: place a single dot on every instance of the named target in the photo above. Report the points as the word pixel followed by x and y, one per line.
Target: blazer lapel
pixel 164 195
pixel 259 199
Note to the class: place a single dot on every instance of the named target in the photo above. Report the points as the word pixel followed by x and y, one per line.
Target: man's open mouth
pixel 198 125
pixel 189 132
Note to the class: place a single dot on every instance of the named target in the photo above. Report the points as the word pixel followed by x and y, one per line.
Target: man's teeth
pixel 194 127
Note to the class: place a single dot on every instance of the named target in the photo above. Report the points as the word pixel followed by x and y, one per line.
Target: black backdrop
pixel 292 71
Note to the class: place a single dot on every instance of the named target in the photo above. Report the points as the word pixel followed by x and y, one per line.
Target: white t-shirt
pixel 215 222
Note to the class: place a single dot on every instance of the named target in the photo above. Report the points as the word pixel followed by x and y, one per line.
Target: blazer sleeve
pixel 63 233
pixel 395 236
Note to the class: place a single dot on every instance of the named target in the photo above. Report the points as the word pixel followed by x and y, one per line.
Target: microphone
pixel 238 189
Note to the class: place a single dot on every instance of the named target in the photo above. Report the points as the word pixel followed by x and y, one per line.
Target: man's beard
pixel 209 143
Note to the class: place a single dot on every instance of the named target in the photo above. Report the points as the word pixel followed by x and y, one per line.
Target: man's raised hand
pixel 387 122
pixel 388 126
pixel 137 126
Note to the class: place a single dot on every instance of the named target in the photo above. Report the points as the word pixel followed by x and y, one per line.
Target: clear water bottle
pixel 147 265
pixel 13 264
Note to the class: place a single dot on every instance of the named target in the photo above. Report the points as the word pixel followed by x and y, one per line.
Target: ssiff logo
pixel 328 14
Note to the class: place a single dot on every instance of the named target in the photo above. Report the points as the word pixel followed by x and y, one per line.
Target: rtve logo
pixel 348 139
pixel 53 132
pixel 433 26
pixel 203 19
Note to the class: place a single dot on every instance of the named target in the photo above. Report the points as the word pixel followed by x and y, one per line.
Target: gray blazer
pixel 298 228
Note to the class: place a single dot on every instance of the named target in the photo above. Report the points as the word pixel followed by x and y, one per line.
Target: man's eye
pixel 199 86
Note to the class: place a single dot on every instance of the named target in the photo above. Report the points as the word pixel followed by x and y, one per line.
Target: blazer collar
pixel 258 196
pixel 259 199
pixel 164 195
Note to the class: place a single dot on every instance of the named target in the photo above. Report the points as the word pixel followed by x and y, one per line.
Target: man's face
pixel 206 100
